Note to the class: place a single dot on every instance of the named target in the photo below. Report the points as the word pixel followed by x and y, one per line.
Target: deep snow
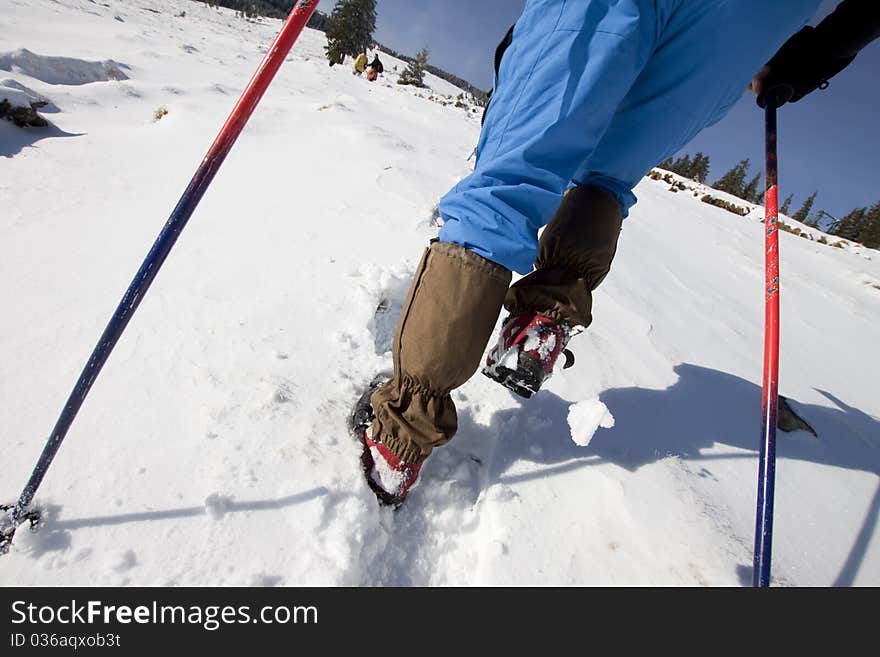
pixel 213 449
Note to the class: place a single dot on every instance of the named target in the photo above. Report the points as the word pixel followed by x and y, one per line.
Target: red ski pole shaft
pixel 184 209
pixel 767 459
pixel 260 81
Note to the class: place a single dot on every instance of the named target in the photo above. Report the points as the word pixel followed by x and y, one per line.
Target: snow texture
pixel 542 344
pixel 213 448
pixel 391 481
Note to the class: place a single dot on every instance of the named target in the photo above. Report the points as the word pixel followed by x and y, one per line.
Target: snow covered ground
pixel 213 448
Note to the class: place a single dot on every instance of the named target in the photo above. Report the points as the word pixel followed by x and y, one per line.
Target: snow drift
pixel 61 70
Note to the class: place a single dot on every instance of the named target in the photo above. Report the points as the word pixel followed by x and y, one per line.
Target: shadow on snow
pixel 704 408
pixel 13 140
pixel 55 534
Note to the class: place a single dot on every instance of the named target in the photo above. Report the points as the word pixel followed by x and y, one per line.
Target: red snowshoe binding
pixel 387 476
pixel 527 350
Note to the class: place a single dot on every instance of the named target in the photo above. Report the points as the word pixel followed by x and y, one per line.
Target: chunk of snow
pixel 585 417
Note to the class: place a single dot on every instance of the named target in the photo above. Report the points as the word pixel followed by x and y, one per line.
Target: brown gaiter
pixel 448 317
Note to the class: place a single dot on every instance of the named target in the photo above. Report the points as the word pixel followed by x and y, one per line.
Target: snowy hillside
pixel 213 448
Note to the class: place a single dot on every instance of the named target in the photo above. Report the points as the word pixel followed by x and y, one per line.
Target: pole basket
pixel 9 524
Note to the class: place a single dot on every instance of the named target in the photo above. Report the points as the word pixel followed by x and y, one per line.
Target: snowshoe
pixel 387 476
pixel 526 352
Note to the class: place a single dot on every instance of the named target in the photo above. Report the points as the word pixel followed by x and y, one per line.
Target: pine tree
pixel 696 169
pixel 851 225
pixel 802 214
pixel 350 29
pixel 733 182
pixel 786 204
pixel 870 233
pixel 414 74
pixel 365 23
pixel 699 169
pixel 318 21
pixel 683 165
pixel 687 169
pixel 750 191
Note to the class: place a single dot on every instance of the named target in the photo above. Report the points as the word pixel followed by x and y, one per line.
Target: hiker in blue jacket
pixel 589 96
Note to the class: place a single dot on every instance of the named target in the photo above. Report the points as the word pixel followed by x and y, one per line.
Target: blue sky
pixel 828 142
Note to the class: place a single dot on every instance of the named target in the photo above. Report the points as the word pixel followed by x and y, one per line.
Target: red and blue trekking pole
pixel 767 461
pixel 290 31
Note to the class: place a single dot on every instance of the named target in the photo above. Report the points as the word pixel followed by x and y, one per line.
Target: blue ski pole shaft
pixel 767 458
pixel 205 173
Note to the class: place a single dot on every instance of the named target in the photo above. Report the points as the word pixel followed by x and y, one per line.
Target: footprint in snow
pixel 388 308
pixel 123 560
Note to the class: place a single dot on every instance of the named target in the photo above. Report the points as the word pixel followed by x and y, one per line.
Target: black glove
pixel 815 55
pixel 802 65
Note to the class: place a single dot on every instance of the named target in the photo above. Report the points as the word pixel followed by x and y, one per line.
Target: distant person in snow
pixel 374 68
pixel 376 64
pixel 588 97
pixel 360 63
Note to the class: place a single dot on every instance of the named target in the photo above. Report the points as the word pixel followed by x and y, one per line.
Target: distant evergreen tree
pixel 682 165
pixel 733 182
pixel 870 233
pixel 689 170
pixel 414 73
pixel 750 191
pixel 365 23
pixel 851 225
pixel 350 29
pixel 696 169
pixel 318 21
pixel 335 52
pixel 699 169
pixel 802 214
pixel 786 204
